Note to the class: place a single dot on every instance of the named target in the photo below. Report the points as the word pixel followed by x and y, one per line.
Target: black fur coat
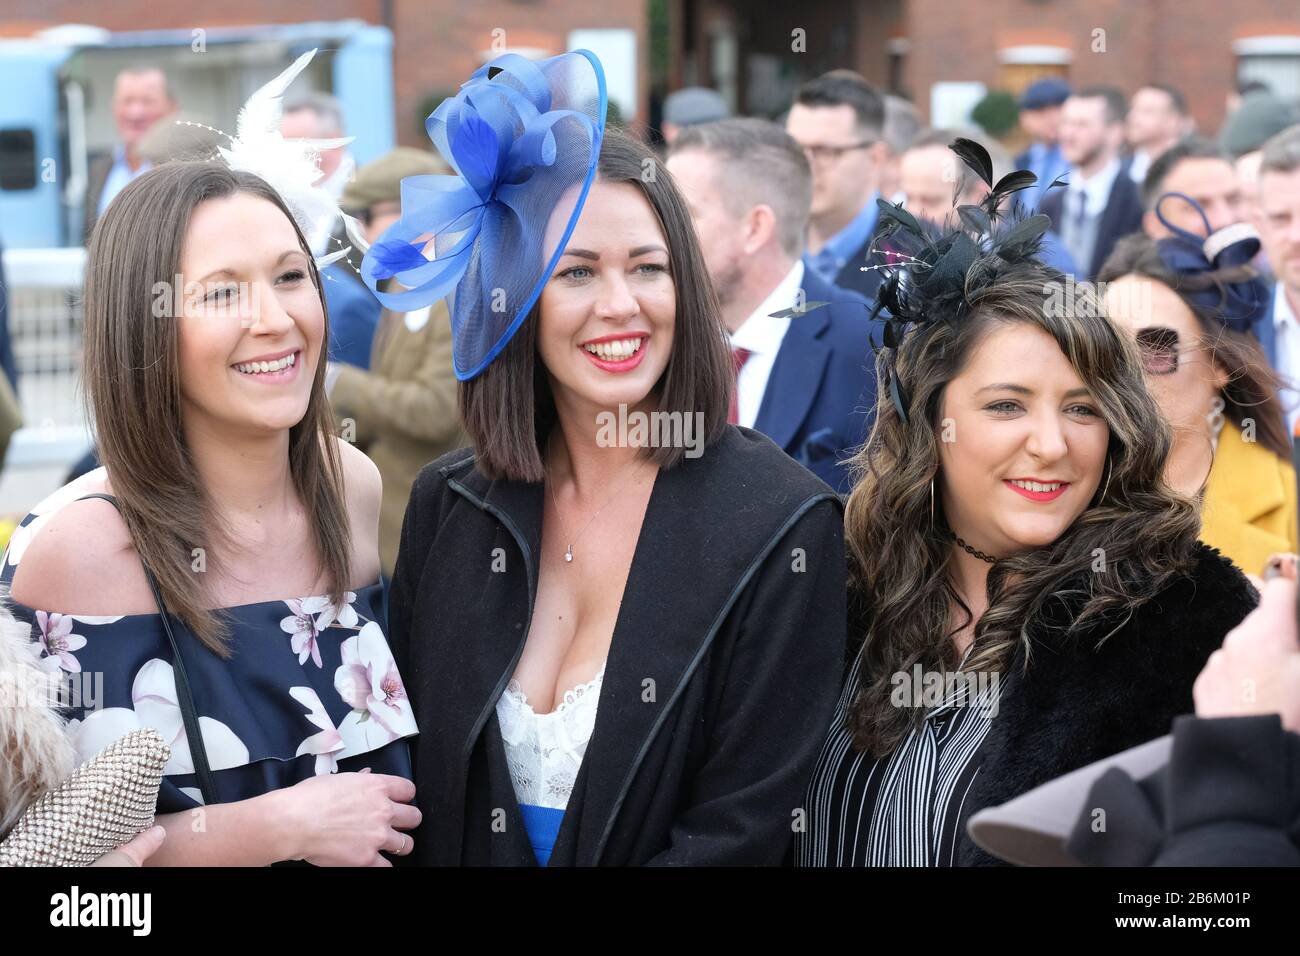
pixel 1077 703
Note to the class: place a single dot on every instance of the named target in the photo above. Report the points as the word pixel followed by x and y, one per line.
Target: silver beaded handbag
pixel 106 802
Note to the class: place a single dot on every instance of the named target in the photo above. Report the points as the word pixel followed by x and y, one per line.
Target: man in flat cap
pixel 691 106
pixel 402 410
pixel 1040 117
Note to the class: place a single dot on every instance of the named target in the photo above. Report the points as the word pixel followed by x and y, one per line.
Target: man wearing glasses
pixel 838 120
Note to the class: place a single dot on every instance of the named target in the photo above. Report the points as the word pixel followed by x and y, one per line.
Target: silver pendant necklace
pixel 568 551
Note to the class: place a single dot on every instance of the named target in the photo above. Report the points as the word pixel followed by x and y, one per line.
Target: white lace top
pixel 544 751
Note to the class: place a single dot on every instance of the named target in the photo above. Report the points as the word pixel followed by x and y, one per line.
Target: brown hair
pixel 900 550
pixel 132 390
pixel 1251 391
pixel 508 410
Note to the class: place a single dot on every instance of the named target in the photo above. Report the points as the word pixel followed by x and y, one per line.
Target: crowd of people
pixel 963 474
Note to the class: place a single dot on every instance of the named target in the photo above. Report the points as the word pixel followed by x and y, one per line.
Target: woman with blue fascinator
pixel 1190 302
pixel 621 620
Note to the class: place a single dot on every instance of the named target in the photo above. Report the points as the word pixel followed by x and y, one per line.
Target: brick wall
pixel 437 43
pixel 1186 43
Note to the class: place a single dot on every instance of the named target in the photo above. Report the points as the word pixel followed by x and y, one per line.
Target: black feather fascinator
pixel 932 273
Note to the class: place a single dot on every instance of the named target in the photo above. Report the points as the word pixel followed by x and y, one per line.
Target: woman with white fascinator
pixel 221 570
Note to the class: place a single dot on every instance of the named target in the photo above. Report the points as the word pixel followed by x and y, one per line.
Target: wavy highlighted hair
pixel 900 559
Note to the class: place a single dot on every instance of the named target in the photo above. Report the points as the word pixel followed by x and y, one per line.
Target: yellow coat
pixel 1249 510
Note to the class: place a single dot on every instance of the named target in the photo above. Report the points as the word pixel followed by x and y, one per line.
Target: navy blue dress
pixel 309 687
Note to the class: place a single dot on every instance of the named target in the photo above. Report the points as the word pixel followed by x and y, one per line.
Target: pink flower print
pixel 326 744
pixel 368 681
pixel 301 624
pixel 310 616
pixel 59 642
pixel 155 704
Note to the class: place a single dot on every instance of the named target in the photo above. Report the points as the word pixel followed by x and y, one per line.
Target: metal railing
pixel 44 289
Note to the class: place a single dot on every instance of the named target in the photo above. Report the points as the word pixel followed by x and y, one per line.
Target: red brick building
pixel 757 51
pixel 746 48
pixel 437 44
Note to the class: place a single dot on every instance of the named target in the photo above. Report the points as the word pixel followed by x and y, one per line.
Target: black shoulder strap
pixel 193 732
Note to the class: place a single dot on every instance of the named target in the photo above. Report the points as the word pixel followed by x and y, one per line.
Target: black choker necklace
pixel 988 558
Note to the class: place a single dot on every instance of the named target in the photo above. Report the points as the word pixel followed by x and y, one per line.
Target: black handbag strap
pixel 189 715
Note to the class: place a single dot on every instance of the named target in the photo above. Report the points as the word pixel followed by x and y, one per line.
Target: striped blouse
pixel 903 809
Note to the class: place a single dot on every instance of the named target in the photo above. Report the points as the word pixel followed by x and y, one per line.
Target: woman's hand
pixel 137 851
pixel 1257 670
pixel 345 819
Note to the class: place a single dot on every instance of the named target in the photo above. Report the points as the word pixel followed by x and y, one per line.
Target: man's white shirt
pixel 1287 329
pixel 761 335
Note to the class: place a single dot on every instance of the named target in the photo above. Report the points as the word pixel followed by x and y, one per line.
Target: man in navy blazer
pixel 805 371
pixel 1277 196
pixel 1101 204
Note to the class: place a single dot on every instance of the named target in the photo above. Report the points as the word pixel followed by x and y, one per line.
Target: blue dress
pixel 308 688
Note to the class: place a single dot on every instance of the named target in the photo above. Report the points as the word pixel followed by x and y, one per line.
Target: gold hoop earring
pixel 1110 468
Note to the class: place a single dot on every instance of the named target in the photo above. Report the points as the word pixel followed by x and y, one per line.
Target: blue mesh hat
pixel 523 137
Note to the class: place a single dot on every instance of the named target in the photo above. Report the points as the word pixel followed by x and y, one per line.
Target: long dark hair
pixel 508 410
pixel 1252 387
pixel 1143 531
pixel 132 390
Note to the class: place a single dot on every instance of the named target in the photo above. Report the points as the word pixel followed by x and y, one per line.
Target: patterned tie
pixel 739 357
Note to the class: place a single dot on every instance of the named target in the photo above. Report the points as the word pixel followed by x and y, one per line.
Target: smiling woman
pixel 220 570
pixel 1012 523
pixel 629 651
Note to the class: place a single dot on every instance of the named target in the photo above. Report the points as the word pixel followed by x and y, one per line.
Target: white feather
pixel 290 166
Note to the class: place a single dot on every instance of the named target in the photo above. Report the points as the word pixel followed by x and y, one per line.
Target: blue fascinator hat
pixel 1214 270
pixel 523 137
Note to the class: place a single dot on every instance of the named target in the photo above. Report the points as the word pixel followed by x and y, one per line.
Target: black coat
pixel 1229 796
pixel 1121 217
pixel 1077 703
pixel 719 686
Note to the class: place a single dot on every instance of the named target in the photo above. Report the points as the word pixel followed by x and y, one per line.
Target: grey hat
pixel 179 136
pixel 1034 828
pixel 695 104
pixel 1260 115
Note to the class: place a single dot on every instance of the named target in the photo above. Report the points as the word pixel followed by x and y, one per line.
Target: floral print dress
pixel 309 687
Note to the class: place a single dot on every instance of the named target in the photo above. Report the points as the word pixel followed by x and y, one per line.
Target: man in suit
pixel 838 119
pixel 805 373
pixel 1278 220
pixel 1157 119
pixel 1101 204
pixel 141 97
pixel 1040 118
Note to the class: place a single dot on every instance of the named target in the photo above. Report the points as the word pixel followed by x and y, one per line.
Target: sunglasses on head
pixel 1160 350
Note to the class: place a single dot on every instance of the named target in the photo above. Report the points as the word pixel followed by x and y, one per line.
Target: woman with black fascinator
pixel 1190 301
pixel 1026 593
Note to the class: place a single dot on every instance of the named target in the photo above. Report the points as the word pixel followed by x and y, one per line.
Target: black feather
pixel 976 219
pixel 1012 182
pixel 932 274
pixel 976 157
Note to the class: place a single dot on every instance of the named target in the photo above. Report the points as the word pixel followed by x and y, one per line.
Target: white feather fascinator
pixel 290 166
